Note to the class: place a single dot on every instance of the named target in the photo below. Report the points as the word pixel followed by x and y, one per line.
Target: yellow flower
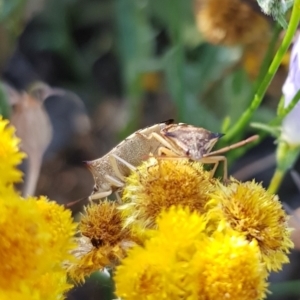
pixel 179 222
pixel 151 273
pixel 51 286
pixel 249 209
pixel 60 226
pixel 103 224
pixel 226 266
pixel 10 156
pixel 91 259
pixel 23 236
pixel 104 240
pixel 36 235
pixel 23 293
pixel 160 184
pixel 180 262
pixel 142 275
pixel 157 271
pixel 27 234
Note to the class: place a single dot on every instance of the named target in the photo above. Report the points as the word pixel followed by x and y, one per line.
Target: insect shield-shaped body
pixel 196 143
pixel 189 141
pixel 110 170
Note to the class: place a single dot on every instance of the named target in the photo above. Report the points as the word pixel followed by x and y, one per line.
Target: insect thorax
pixel 191 141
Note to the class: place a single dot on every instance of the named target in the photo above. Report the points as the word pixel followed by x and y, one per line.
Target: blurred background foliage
pixel 130 49
pixel 80 75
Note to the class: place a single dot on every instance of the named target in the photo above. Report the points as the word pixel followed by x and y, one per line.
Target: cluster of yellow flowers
pixel 180 234
pixel 36 235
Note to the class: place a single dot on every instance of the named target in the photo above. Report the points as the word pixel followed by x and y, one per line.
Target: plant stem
pixel 263 86
pixel 290 107
pixel 276 181
pixel 286 156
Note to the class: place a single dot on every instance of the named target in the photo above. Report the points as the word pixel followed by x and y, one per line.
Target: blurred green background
pixel 101 69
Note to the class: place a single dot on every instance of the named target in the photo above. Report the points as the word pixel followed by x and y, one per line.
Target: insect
pixel 163 139
pixel 195 143
pixel 109 171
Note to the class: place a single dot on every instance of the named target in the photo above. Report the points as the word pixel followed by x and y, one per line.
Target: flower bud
pixel 291 123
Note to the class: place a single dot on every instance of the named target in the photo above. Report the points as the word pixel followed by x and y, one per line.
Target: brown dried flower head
pixel 230 22
pixel 103 224
pixel 104 241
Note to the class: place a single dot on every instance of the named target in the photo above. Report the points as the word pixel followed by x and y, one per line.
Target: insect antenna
pixel 233 146
pixel 81 201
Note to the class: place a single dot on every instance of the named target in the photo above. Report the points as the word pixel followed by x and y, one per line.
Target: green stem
pixel 290 107
pixel 258 97
pixel 276 181
pixel 264 67
pixel 286 156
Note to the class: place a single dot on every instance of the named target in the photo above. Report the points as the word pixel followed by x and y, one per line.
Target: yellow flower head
pixel 36 235
pixel 24 238
pixel 91 259
pixel 249 209
pixel 180 261
pixel 157 270
pixel 142 275
pixel 103 224
pixel 25 292
pixel 227 266
pixel 51 285
pixel 232 23
pixel 104 240
pixel 179 228
pixel 10 156
pixel 61 227
pixel 160 184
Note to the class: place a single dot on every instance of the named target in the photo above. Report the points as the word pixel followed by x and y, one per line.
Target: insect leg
pixel 167 152
pixel 158 137
pixel 114 181
pixel 216 160
pixel 165 149
pixel 119 199
pixel 99 195
pixel 113 161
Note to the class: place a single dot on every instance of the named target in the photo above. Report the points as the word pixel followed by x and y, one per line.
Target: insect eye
pixel 187 152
